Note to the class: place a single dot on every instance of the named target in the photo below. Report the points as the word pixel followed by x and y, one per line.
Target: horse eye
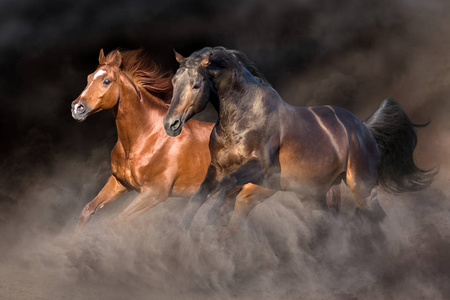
pixel 106 81
pixel 196 86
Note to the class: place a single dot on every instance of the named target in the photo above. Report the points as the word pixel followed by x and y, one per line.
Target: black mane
pixel 223 57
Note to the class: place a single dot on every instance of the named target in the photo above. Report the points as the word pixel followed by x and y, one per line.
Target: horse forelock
pixel 194 60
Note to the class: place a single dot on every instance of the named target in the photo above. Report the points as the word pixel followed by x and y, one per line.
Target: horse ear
pixel 115 59
pixel 206 61
pixel 178 56
pixel 101 57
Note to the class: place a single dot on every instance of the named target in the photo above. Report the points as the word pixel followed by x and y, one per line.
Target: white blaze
pixel 99 73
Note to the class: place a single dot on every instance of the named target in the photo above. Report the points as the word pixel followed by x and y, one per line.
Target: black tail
pixel 396 139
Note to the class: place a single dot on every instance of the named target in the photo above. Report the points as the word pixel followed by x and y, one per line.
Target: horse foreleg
pixel 208 186
pixel 142 203
pixel 110 192
pixel 250 196
pixel 250 172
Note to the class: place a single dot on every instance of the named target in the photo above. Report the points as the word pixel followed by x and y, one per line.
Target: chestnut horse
pixel 261 139
pixel 144 158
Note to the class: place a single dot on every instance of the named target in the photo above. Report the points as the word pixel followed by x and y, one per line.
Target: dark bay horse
pixel 261 139
pixel 144 158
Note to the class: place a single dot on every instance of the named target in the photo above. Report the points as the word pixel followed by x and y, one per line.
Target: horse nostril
pixel 175 125
pixel 79 108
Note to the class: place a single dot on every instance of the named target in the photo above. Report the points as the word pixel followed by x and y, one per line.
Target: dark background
pixel 348 53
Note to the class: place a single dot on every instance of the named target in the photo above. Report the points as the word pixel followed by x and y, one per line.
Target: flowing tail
pixel 396 139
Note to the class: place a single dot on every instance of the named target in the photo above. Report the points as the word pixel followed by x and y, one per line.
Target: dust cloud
pixel 282 251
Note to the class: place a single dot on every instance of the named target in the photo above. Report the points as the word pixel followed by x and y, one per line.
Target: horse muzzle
pixel 173 126
pixel 79 111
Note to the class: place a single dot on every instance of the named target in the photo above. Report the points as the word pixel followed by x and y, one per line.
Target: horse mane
pixel 224 57
pixel 250 66
pixel 145 73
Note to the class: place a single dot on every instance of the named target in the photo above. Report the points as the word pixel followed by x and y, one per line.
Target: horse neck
pixel 137 115
pixel 237 95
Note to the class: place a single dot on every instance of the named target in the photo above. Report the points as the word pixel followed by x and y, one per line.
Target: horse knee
pixel 89 210
pixel 245 195
pixel 246 201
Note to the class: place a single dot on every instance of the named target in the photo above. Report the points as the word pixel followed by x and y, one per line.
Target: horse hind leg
pixel 316 203
pixel 333 198
pixel 363 189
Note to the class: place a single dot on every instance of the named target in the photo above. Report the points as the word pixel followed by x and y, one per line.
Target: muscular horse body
pixel 263 140
pixel 144 158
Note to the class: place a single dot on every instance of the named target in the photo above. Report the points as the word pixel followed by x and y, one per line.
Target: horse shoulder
pixel 119 166
pixel 199 130
pixel 117 154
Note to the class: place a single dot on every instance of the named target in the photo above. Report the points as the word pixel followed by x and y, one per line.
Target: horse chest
pixel 125 169
pixel 229 157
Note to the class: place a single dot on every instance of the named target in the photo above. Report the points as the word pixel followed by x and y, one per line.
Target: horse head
pixel 102 90
pixel 191 91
